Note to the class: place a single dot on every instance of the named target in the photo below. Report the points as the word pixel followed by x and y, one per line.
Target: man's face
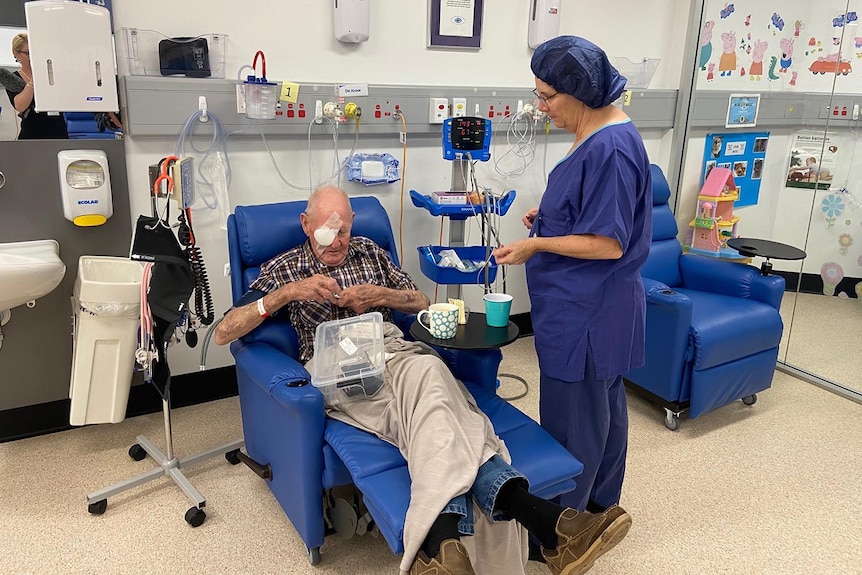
pixel 335 253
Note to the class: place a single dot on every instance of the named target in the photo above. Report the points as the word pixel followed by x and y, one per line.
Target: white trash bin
pixel 107 308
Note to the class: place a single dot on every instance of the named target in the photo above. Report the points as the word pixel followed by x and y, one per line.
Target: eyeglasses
pixel 545 99
pixel 27 53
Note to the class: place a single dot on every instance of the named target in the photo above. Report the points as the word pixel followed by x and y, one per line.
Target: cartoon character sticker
pixel 706 43
pixel 756 70
pixel 777 21
pixel 786 45
pixel 727 63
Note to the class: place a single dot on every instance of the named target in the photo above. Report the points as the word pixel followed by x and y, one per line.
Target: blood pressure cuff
pixel 171 285
pixel 155 242
pixel 184 56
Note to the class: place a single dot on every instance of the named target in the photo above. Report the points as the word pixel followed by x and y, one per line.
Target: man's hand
pixel 317 288
pixel 360 298
pixel 515 253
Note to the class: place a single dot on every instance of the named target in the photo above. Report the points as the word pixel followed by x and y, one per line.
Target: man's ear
pixel 303 221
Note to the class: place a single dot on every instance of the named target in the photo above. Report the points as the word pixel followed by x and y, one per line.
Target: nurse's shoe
pixel 584 537
pixel 452 559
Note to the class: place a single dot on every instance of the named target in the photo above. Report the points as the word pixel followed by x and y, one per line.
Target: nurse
pixel 588 239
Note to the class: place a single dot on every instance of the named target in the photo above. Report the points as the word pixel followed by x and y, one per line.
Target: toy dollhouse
pixel 714 222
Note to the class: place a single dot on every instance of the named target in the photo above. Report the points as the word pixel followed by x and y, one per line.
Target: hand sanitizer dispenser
pixel 352 20
pixel 72 55
pixel 544 22
pixel 85 185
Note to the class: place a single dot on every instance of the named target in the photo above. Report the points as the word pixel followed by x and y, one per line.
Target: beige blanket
pixel 435 423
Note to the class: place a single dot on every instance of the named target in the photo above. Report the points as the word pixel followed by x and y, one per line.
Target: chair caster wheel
pixel 750 399
pixel 195 516
pixel 137 452
pixel 313 555
pixel 98 507
pixel 671 421
pixel 232 457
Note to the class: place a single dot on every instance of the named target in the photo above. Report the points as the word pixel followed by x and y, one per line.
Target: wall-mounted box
pixel 151 53
pixel 72 57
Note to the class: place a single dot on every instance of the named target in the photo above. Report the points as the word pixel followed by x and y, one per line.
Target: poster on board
pixel 813 160
pixel 742 111
pixel 743 153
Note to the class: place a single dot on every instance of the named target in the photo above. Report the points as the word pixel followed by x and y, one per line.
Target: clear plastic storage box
pixel 638 74
pixel 151 53
pixel 349 358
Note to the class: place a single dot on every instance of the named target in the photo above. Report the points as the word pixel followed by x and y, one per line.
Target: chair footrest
pixel 380 473
pixel 262 471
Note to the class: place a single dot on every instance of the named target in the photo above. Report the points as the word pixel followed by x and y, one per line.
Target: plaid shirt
pixel 366 263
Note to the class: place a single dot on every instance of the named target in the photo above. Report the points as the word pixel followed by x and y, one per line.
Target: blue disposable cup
pixel 497 308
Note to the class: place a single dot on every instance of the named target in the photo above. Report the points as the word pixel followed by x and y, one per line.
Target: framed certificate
pixel 455 24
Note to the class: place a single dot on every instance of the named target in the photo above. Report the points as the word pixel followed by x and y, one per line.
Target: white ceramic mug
pixel 441 320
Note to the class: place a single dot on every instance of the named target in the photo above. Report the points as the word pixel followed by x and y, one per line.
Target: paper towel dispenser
pixel 72 55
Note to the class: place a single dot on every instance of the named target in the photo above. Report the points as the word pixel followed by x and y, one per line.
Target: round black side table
pixel 475 334
pixel 752 247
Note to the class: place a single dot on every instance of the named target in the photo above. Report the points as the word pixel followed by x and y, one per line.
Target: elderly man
pixel 448 443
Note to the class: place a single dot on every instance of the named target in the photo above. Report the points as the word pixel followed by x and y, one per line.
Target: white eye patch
pixel 324 236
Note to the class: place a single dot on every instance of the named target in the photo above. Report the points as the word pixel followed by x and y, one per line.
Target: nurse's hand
pixel 515 253
pixel 529 217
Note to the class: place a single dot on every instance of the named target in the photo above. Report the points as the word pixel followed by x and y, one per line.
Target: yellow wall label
pixel 289 92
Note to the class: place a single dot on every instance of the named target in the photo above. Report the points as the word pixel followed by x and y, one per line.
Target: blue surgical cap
pixel 578 67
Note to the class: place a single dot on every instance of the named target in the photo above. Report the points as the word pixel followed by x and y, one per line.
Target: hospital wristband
pixel 262 310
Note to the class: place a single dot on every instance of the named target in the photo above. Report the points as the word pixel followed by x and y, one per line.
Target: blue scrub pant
pixel 590 419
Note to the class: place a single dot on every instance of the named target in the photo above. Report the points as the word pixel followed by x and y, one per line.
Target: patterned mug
pixel 440 319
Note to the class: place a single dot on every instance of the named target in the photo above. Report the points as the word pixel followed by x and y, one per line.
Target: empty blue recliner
pixel 712 326
pixel 297 449
pixel 83 126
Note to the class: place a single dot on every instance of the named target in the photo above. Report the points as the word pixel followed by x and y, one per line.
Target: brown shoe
pixel 584 537
pixel 451 560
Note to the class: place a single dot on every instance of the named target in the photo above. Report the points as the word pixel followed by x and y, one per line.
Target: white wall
pixel 8 118
pixel 297 39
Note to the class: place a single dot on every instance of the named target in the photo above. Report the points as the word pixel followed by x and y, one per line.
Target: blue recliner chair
pixel 712 326
pixel 297 449
pixel 83 126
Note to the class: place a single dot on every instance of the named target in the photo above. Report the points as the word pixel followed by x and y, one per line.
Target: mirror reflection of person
pixel 34 125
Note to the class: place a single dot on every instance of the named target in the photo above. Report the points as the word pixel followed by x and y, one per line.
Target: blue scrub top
pixel 602 187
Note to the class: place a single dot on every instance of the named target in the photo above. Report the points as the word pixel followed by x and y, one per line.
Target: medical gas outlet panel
pixel 156 106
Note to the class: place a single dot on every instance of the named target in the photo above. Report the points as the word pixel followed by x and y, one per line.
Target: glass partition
pixel 825 335
pixel 777 101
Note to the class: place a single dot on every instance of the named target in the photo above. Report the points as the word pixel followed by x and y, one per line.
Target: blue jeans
pixel 490 478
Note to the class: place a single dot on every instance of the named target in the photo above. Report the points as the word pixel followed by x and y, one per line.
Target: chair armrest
pixel 272 371
pixel 478 366
pixel 653 286
pixel 283 427
pixel 729 278
pixel 403 321
pixel 668 323
pixel 669 311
